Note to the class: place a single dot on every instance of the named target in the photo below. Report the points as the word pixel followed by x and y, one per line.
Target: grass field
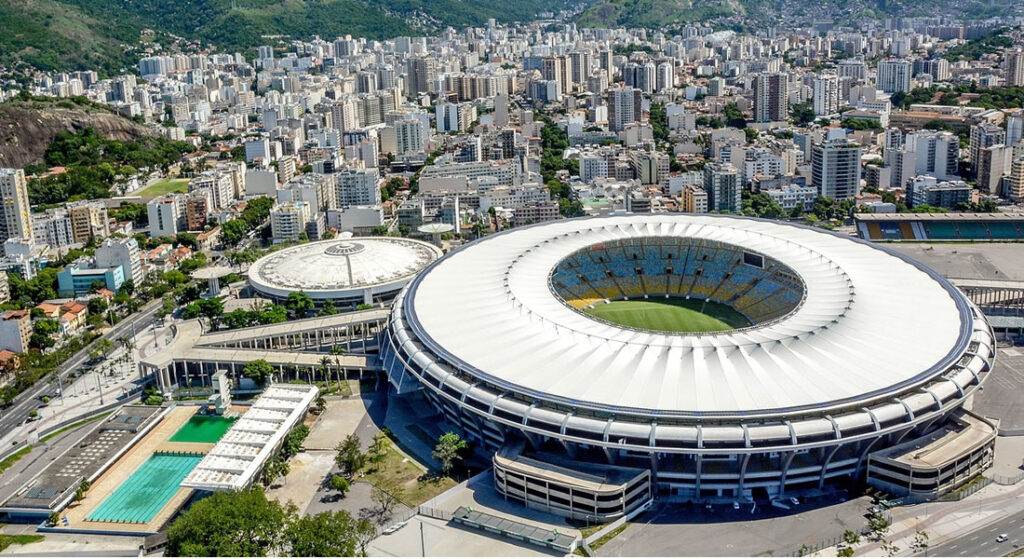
pixel 670 315
pixel 164 187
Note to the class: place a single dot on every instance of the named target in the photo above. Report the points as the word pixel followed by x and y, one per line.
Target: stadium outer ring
pixel 494 412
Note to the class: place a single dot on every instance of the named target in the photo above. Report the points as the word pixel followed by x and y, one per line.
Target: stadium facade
pixel 851 349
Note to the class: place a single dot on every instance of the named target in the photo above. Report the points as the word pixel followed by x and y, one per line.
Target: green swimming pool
pixel 147 490
pixel 203 429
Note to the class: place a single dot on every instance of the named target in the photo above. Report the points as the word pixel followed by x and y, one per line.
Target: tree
pixel 328 308
pixel 97 305
pixel 276 468
pixel 920 542
pixel 802 114
pixel 212 309
pixel 733 116
pixel 878 525
pixel 350 457
pixel 844 551
pixel 386 495
pixel 365 533
pixel 379 447
pixel 258 370
pixel 328 534
pixel 292 444
pixel 449 450
pixel 339 484
pixel 890 549
pixel 42 334
pixel 240 524
pixel 186 239
pixel 175 278
pixel 298 304
pixel 83 487
pixel 851 537
pixel 7 394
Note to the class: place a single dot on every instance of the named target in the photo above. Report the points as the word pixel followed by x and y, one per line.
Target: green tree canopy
pixel 448 450
pixel 328 534
pixel 259 370
pixel 240 524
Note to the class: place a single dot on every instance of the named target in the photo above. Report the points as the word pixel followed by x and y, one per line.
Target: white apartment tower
pixel 16 218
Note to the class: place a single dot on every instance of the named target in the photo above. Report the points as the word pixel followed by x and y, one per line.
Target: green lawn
pixel 414 485
pixel 22 539
pixel 12 459
pixel 670 315
pixel 164 187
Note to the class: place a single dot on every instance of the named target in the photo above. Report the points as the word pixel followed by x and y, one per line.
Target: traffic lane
pixel 982 542
pixel 18 412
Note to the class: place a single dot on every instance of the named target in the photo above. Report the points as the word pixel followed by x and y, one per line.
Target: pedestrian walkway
pixel 944 521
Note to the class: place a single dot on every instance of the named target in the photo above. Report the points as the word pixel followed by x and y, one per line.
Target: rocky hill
pixel 28 127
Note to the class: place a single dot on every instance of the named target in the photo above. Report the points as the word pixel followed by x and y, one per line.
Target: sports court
pixel 672 314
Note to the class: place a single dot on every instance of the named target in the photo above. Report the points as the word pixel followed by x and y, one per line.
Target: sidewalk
pixel 79 397
pixel 944 521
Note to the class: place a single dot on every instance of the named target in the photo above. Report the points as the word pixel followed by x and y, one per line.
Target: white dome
pixel 338 269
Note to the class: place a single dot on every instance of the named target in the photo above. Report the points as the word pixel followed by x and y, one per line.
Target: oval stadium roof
pixel 872 323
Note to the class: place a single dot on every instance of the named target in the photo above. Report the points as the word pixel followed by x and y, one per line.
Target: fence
pixel 971 489
pixel 431 512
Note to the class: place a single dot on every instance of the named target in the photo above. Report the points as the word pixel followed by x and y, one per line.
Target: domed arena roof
pixel 337 269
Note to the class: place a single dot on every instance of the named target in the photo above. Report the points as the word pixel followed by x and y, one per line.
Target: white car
pixel 735 505
pixel 1001 538
pixel 794 500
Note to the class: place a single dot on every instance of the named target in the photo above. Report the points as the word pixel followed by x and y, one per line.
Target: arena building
pixel 348 271
pixel 716 356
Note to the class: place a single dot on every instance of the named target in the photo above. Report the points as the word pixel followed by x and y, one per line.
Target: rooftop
pixel 327 269
pixel 229 465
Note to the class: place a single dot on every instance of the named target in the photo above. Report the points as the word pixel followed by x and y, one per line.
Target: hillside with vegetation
pixel 655 13
pixel 78 34
pixel 52 35
pixel 28 125
pixel 669 14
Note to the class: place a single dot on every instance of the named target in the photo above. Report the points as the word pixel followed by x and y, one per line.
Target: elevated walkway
pixel 194 356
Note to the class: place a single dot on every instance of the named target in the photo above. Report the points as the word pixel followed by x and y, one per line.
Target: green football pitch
pixel 670 315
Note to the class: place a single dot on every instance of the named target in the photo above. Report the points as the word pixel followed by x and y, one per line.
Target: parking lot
pixel 675 529
pixel 1002 396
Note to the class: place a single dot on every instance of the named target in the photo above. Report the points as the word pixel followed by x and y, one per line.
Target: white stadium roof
pixel 871 323
pixel 342 268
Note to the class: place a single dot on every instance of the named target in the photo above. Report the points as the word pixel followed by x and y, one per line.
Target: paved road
pixel 42 454
pixel 18 412
pixel 982 542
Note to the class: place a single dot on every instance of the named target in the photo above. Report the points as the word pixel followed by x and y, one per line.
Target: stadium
pixel 348 272
pixel 607 361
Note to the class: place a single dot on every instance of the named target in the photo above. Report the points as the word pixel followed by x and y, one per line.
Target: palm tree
pixel 337 351
pixel 325 367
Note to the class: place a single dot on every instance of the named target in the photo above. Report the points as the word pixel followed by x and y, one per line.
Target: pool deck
pixel 154 441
